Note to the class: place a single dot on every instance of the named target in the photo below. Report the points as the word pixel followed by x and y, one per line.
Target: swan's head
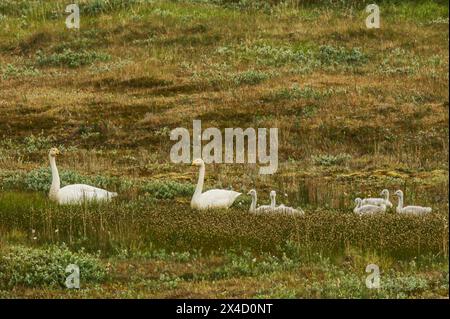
pixel 273 194
pixel 358 200
pixel 197 162
pixel 251 192
pixel 399 193
pixel 53 152
pixel 384 192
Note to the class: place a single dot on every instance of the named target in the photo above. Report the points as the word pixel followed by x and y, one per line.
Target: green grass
pixel 179 274
pixel 144 222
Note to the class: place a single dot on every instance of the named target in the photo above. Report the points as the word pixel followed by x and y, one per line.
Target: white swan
pixel 281 208
pixel 261 208
pixel 214 198
pixel 368 209
pixel 73 194
pixel 415 210
pixel 378 201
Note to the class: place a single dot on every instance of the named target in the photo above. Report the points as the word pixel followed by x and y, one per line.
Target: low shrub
pixel 167 190
pixel 70 58
pixel 330 160
pixel 337 55
pixel 12 71
pixel 250 77
pixel 46 267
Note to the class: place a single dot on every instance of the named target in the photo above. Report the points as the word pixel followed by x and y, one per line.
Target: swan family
pixel 379 205
pixel 217 198
pixel 272 208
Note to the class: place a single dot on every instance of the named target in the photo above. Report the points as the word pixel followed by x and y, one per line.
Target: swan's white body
pixel 281 208
pixel 288 210
pixel 214 198
pixel 378 201
pixel 73 194
pixel 368 209
pixel 78 193
pixel 261 208
pixel 413 210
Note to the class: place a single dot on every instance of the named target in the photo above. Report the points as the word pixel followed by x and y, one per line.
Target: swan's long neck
pixel 56 183
pixel 356 207
pixel 272 201
pixel 253 204
pixel 201 179
pixel 386 196
pixel 400 202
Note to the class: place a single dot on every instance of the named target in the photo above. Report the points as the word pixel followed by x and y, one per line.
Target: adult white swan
pixel 281 208
pixel 415 210
pixel 368 209
pixel 261 208
pixel 214 198
pixel 378 201
pixel 73 194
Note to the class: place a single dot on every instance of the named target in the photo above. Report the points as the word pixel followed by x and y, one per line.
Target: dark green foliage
pixel 46 267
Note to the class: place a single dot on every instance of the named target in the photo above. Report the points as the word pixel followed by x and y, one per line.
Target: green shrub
pixel 250 77
pixel 94 7
pixel 399 62
pixel 277 56
pixel 46 267
pixel 70 58
pixel 247 265
pixel 13 180
pixel 34 143
pixel 40 179
pixel 305 58
pixel 167 190
pixel 330 160
pixel 330 55
pixel 12 71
